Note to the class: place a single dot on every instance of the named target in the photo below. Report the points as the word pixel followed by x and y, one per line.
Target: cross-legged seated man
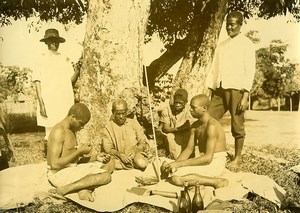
pixel 65 170
pixel 175 120
pixel 208 134
pixel 125 140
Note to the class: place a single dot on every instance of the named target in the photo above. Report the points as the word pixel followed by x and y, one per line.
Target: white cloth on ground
pixel 21 184
pixel 215 168
pixel 73 173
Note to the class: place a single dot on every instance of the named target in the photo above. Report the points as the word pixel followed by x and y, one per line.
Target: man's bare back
pixel 201 135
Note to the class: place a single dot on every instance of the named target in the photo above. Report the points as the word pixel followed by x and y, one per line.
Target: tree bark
pixel 161 65
pixel 204 37
pixel 112 58
pixel 291 102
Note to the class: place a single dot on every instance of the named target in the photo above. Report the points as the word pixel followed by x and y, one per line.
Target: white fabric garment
pixel 233 64
pixel 54 71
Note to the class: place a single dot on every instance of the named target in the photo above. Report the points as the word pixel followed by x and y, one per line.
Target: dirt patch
pixel 280 129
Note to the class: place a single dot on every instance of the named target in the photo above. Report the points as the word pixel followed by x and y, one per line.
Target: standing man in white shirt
pixel 54 78
pixel 231 80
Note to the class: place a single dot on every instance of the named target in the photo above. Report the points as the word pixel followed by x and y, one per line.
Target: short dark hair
pixel 181 94
pixel 118 102
pixel 236 14
pixel 80 111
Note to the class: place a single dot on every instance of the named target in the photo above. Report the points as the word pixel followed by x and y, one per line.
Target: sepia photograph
pixel 156 106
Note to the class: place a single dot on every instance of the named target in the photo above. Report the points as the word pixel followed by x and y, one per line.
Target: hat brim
pixel 58 39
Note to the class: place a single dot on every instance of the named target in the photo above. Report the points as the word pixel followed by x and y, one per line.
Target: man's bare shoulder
pixel 213 122
pixel 58 131
pixel 215 126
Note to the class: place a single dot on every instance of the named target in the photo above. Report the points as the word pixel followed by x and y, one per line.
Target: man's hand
pixel 84 149
pixel 126 159
pixel 242 105
pixel 43 110
pixel 103 157
pixel 170 167
pixel 143 147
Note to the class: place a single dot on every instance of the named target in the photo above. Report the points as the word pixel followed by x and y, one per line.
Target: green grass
pixel 29 148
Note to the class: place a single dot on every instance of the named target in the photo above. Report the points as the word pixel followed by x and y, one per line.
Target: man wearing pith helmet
pixel 53 77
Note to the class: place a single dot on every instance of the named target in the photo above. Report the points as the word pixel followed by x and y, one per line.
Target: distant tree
pixel 15 82
pixel 278 71
pixel 291 79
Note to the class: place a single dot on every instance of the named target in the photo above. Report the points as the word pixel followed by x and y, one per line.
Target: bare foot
pixel 86 195
pixel 222 183
pixel 54 193
pixel 60 190
pixel 234 163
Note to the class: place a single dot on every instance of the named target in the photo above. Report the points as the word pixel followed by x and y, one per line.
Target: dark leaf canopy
pixel 63 11
pixel 173 19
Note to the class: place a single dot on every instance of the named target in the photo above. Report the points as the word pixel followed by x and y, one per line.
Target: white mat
pixel 20 185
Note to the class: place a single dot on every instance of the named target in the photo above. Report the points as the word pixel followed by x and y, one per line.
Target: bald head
pixel 199 105
pixel 201 100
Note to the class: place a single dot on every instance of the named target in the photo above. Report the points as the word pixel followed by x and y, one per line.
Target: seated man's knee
pixel 140 162
pixel 106 178
pixel 176 180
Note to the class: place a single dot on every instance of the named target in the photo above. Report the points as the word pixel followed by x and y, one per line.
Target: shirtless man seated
pixel 125 140
pixel 209 135
pixel 65 171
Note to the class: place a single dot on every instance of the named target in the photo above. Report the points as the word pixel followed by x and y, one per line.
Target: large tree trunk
pixel 112 59
pixel 161 65
pixel 291 102
pixel 204 37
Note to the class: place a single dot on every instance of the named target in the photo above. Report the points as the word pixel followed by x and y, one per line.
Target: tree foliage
pixel 279 73
pixel 63 11
pixel 15 82
pixel 173 19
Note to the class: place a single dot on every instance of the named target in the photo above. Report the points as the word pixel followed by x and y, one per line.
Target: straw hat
pixel 52 34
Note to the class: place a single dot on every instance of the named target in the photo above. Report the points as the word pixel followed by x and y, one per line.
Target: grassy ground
pixel 266 160
pixel 270 149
